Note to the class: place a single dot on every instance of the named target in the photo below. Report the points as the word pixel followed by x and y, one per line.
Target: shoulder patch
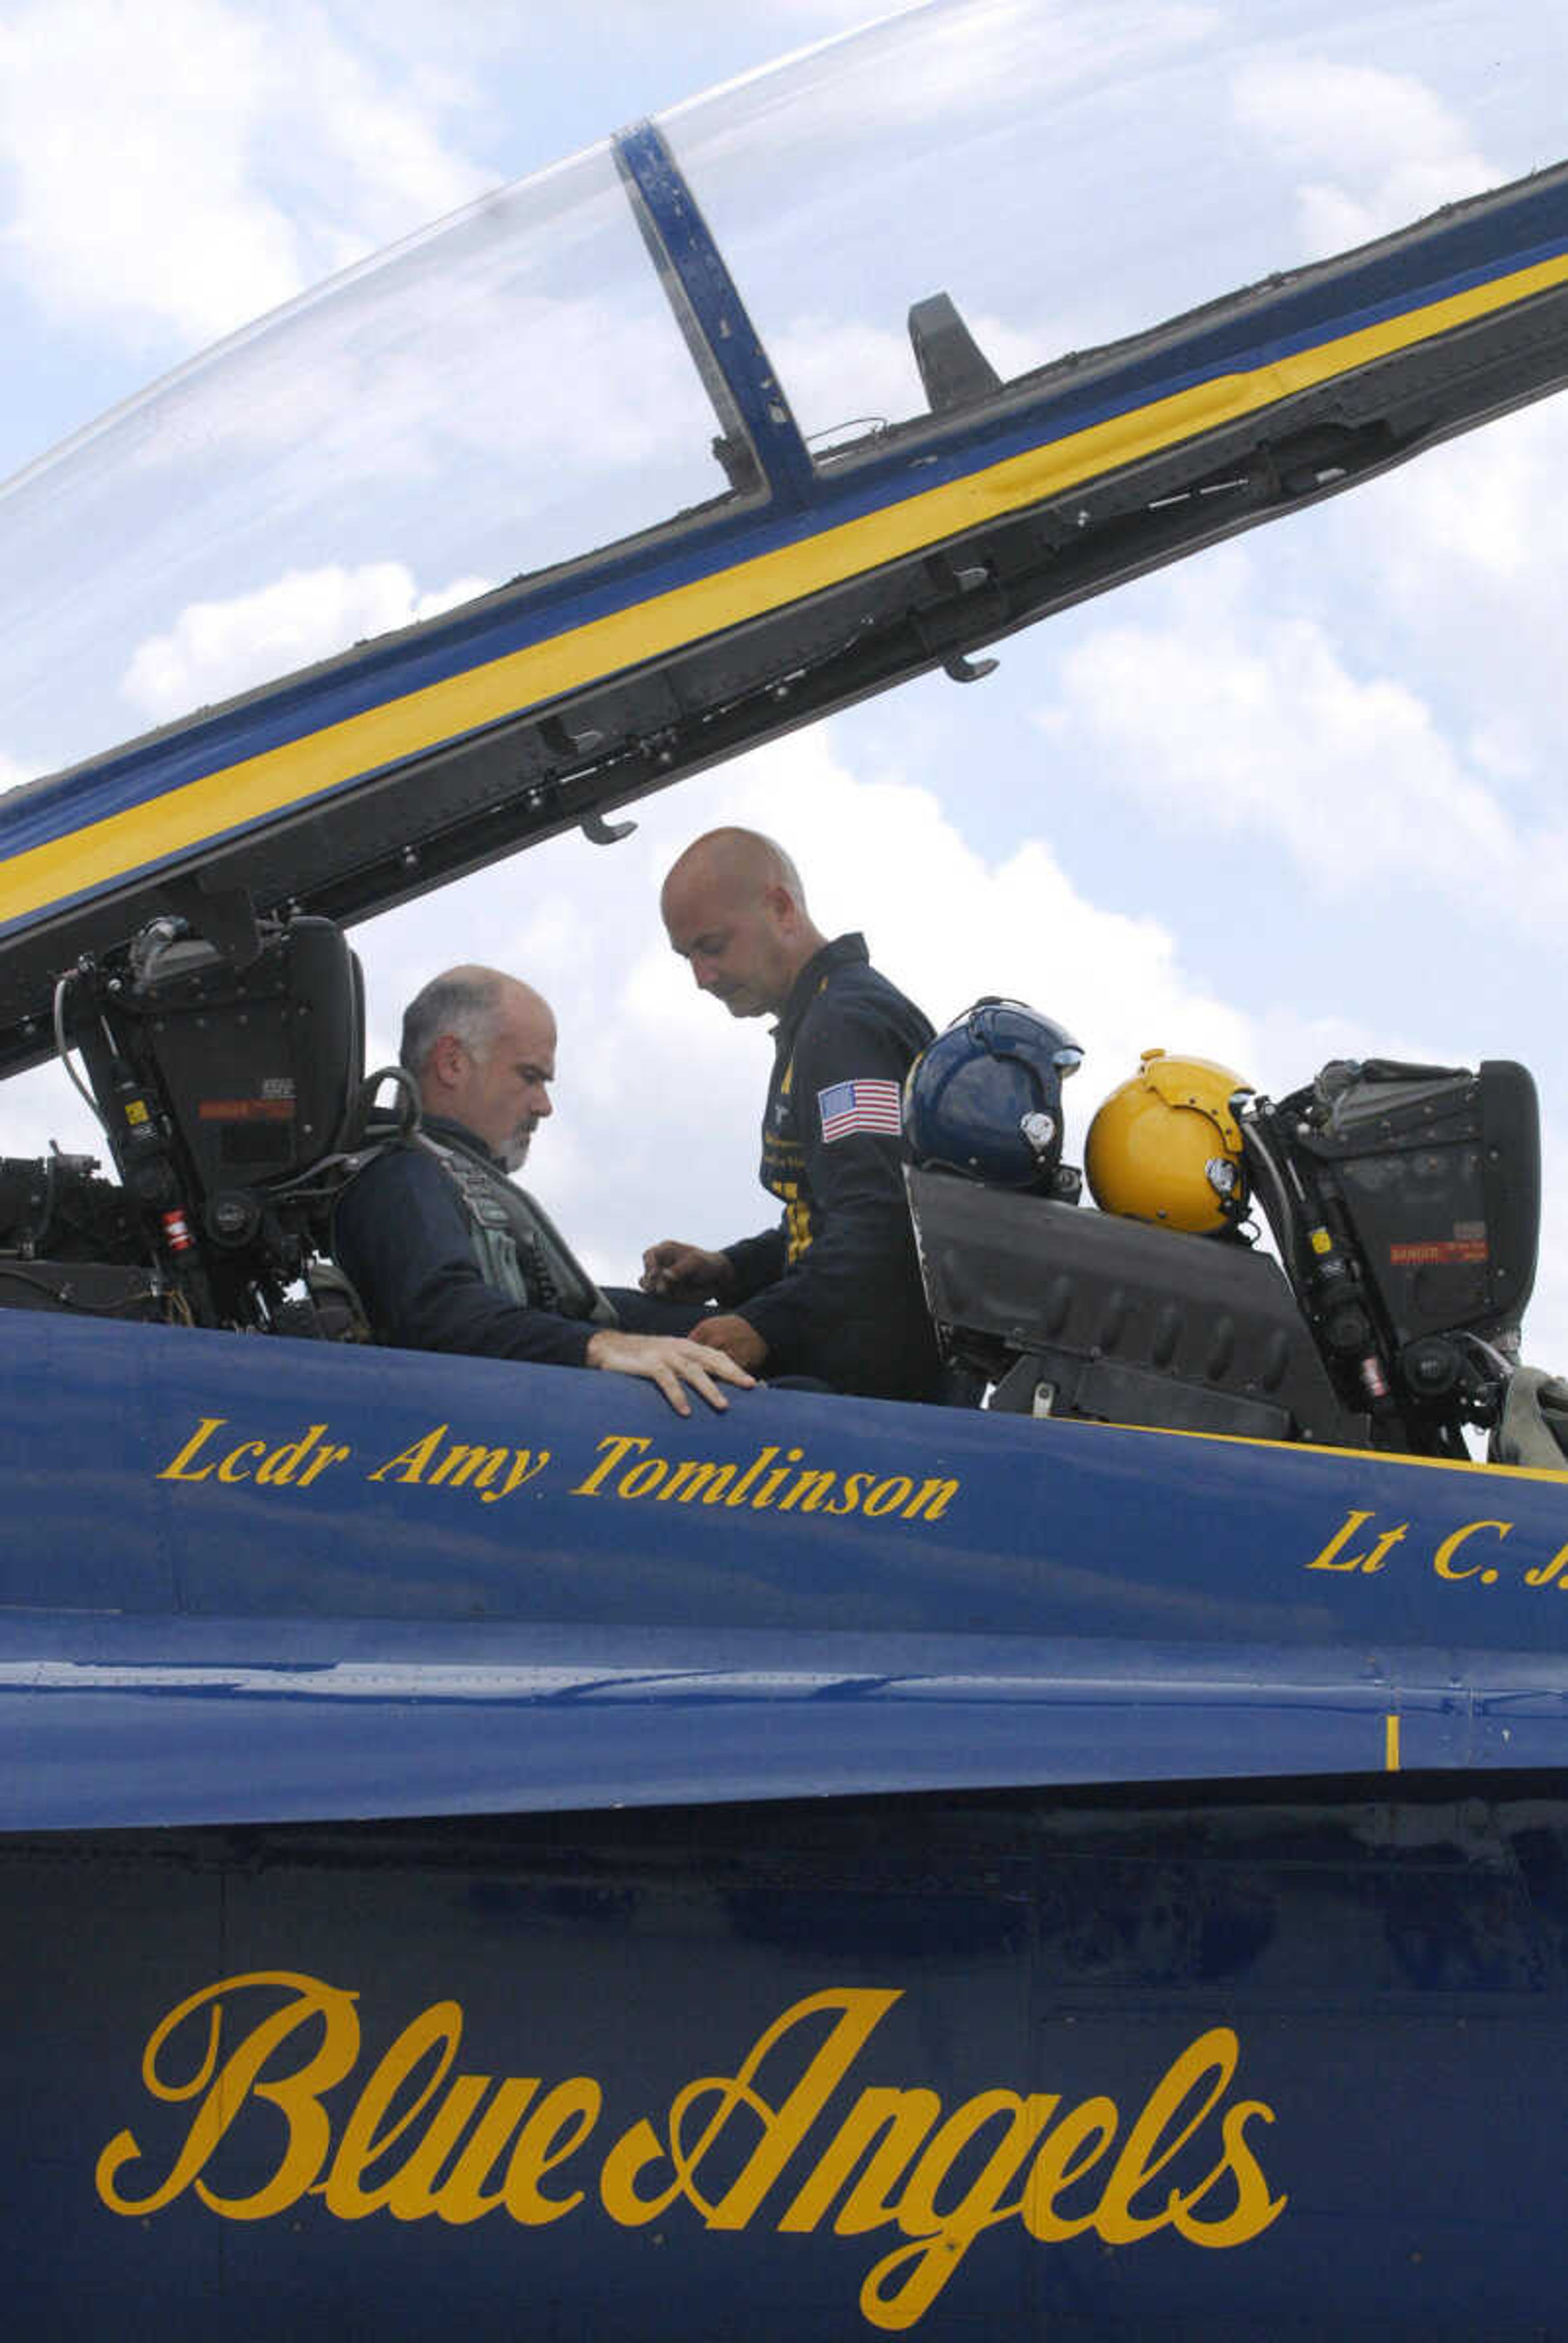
pixel 864 1103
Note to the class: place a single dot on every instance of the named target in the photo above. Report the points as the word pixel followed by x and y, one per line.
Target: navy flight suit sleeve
pixel 852 1301
pixel 401 1235
pixel 757 1262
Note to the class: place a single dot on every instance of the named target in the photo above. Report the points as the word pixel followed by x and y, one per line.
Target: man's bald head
pixel 482 1047
pixel 735 909
pixel 732 864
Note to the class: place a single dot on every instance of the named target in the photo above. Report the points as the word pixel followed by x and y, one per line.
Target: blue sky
pixel 1298 797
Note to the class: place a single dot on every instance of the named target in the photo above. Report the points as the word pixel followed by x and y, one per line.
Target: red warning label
pixel 262 1110
pixel 1438 1252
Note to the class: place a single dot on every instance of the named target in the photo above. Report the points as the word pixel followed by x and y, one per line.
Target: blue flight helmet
pixel 984 1099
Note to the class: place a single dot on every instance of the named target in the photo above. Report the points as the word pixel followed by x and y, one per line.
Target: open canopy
pixel 689 440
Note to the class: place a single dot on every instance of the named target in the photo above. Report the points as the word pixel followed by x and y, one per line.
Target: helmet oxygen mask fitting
pixel 984 1099
pixel 1166 1146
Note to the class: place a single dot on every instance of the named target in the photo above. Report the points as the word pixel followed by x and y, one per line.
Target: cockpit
pixel 629 466
pixel 226 1071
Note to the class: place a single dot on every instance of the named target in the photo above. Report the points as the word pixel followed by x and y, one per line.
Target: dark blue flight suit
pixel 835 1291
pixel 410 1233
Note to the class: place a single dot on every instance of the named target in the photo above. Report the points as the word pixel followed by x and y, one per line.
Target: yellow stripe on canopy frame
pixel 286 777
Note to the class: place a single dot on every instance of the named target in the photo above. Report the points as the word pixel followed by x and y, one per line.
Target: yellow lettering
pixel 409 1462
pixel 783 2129
pixel 557 2129
pixel 524 1469
pixel 775 1479
pixel 1090 2128
pixel 1549 1570
pixel 1254 2207
pixel 410 2193
pixel 889 1495
pixel 228 2088
pixel 319 1463
pixel 460 1465
pixel 1442 1560
pixel 689 1481
pixel 904 2118
pixel 1325 1561
pixel 944 2239
pixel 284 1461
pixel 464 2197
pixel 808 1493
pixel 643 1478
pixel 421 2139
pixel 753 1472
pixel 1384 1546
pixel 192 1449
pixel 440 2026
pixel 1375 1556
pixel 229 1469
pixel 1212 2056
pixel 932 1499
pixel 853 1485
pixel 618 1444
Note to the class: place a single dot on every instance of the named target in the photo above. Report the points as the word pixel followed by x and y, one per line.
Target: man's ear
pixel 781 903
pixel 447 1061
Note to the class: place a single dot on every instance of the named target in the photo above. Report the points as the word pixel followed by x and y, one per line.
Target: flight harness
pixel 518 1248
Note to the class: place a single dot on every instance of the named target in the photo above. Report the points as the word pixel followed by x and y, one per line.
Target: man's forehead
pixel 527 1024
pixel 696 899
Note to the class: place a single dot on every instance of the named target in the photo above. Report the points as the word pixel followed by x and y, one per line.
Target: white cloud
pixel 661 1092
pixel 184 170
pixel 831 15
pixel 41 1108
pixel 385 168
pixel 1460 567
pixel 1376 149
pixel 1293 745
pixel 948 62
pixel 847 370
pixel 1478 524
pixel 1545 1341
pixel 215 650
pixel 177 174
pixel 443 373
pixel 839 372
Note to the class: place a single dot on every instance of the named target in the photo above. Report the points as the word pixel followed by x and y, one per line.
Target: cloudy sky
pixel 1296 799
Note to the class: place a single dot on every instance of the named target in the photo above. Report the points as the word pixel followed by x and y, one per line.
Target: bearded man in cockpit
pixel 447 1254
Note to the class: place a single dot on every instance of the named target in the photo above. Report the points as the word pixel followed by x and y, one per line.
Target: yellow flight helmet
pixel 1166 1145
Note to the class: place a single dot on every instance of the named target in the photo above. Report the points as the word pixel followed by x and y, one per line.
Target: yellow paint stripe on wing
pixel 1317 1451
pixel 286 777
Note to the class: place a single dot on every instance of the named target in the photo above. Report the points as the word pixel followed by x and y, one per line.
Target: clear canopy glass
pixel 1000 151
pixel 513 388
pixel 505 391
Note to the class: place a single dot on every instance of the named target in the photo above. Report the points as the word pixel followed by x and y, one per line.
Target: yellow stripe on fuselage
pixel 282 778
pixel 1315 1449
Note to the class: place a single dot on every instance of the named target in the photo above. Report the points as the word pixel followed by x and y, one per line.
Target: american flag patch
pixel 859 1106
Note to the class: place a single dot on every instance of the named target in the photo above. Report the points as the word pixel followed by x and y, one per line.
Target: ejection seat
pixel 1073 1312
pixel 228 1077
pixel 1403 1200
pixel 259 1062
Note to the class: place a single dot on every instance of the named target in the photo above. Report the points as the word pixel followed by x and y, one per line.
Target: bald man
pixel 834 1289
pixel 447 1254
